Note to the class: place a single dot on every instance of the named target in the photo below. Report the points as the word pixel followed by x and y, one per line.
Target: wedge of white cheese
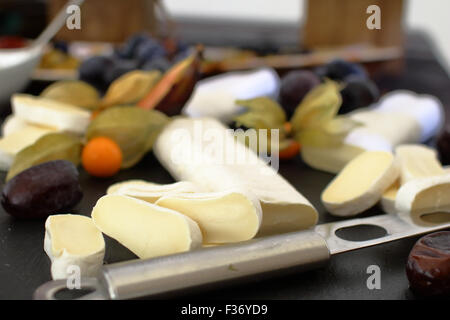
pixel 422 196
pixel 361 183
pixel 150 192
pixel 47 112
pixel 16 141
pixel 14 124
pixel 417 161
pixel 223 217
pixel 205 153
pixel 73 241
pixel 146 229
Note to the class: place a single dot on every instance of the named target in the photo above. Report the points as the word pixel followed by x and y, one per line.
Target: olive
pixel 42 190
pixel 428 265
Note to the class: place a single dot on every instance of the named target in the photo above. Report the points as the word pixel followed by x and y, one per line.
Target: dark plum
pixel 128 49
pixel 443 145
pixel 118 68
pixel 357 93
pixel 340 69
pixel 294 86
pixel 149 50
pixel 42 190
pixel 92 69
pixel 428 265
pixel 161 64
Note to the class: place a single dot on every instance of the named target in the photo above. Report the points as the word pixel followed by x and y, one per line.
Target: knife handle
pixel 304 250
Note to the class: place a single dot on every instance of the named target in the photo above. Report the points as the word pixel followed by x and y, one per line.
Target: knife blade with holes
pixel 298 251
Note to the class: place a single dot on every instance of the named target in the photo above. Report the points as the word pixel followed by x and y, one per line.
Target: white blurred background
pixel 431 16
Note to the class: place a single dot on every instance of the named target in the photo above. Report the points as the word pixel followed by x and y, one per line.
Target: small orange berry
pixel 101 157
pixel 290 151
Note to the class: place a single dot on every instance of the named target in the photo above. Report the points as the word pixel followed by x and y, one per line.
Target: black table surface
pixel 24 265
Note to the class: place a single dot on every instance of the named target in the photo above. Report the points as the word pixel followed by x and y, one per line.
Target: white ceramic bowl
pixel 16 67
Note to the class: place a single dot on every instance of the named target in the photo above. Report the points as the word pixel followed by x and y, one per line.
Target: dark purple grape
pixel 428 265
pixel 119 67
pixel 294 86
pixel 48 188
pixel 149 50
pixel 443 145
pixel 128 49
pixel 339 70
pixel 161 64
pixel 357 93
pixel 92 69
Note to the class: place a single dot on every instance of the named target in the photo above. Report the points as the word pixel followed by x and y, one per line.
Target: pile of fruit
pixel 139 52
pixel 313 101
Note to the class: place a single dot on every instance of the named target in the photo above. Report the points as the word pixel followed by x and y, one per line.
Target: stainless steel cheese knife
pixel 301 251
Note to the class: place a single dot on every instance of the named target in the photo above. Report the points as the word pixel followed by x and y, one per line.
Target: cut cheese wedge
pixel 47 112
pixel 223 217
pixel 146 229
pixel 387 201
pixel 360 184
pixel 424 196
pixel 73 240
pixel 206 153
pixel 14 124
pixel 15 142
pixel 150 192
pixel 417 161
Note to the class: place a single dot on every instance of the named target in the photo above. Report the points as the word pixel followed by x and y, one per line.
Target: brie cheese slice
pixel 73 240
pixel 205 153
pixel 146 229
pixel 422 196
pixel 148 191
pixel 47 112
pixel 360 184
pixel 417 161
pixel 223 217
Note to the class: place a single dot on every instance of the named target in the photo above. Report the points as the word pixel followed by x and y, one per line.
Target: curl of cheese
pixel 73 240
pixel 360 184
pixel 422 196
pixel 223 217
pixel 47 112
pixel 146 229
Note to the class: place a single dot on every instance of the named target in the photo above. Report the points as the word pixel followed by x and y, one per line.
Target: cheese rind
pixel 47 112
pixel 360 184
pixel 417 161
pixel 146 229
pixel 150 192
pixel 213 169
pixel 73 240
pixel 423 196
pixel 223 217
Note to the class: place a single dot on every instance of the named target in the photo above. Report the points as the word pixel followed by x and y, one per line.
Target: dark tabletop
pixel 24 265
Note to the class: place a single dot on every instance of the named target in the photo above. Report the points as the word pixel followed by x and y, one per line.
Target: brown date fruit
pixel 428 266
pixel 42 190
